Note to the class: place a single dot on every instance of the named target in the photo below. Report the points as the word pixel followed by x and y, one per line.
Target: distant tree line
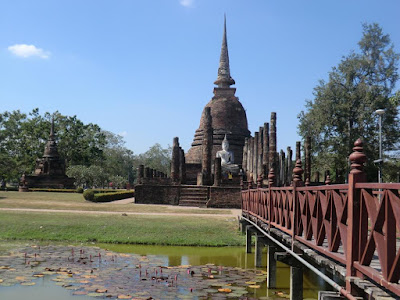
pixel 94 157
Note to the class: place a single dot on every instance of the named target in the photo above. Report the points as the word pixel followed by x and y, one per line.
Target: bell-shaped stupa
pixel 228 115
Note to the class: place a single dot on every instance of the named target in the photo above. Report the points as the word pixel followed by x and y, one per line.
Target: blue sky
pixel 145 69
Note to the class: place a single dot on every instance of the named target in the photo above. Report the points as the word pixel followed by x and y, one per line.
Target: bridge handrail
pixel 351 223
pixel 327 229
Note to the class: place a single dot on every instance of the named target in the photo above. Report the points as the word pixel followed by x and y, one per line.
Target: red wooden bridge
pixel 355 226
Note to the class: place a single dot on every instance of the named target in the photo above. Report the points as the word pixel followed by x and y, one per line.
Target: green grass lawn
pixel 74 201
pixel 131 229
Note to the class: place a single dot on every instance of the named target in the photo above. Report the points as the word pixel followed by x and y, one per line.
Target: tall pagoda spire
pixel 50 149
pixel 224 79
pixel 52 128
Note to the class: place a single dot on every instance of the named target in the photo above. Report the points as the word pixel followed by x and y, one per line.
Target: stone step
pixel 195 203
pixel 193 193
pixel 194 197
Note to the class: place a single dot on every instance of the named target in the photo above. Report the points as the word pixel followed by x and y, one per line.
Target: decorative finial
pixel 297 172
pixel 271 177
pixel 224 79
pixel 357 158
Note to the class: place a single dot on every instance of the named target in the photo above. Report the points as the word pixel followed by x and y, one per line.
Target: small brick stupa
pixel 50 169
pixel 228 115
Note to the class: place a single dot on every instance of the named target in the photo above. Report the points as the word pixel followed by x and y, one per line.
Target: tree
pixel 118 159
pixel 343 108
pixel 23 138
pixel 156 158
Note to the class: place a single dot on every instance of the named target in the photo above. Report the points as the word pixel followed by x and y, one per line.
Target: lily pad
pixel 95 294
pixel 29 283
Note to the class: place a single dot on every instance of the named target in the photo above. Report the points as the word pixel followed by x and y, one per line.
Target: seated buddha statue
pixel 227 158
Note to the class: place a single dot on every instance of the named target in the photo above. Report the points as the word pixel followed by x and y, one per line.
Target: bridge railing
pixel 357 224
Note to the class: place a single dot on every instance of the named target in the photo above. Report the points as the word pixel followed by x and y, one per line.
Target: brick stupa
pixel 228 115
pixel 50 169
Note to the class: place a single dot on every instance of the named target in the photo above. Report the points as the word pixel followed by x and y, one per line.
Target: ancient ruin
pixel 224 157
pixel 50 169
pixel 227 114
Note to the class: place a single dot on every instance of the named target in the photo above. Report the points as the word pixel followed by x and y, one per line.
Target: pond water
pixel 233 260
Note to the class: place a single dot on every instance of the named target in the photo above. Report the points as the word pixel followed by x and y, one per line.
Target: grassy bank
pixel 137 229
pixel 73 201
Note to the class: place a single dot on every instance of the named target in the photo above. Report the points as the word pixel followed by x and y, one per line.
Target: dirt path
pixel 234 212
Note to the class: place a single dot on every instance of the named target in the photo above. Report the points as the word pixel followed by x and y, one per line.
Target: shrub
pixel 79 190
pixel 88 195
pixel 10 188
pixel 108 197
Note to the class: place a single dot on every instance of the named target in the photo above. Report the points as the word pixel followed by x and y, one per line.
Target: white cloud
pixel 186 3
pixel 24 50
pixel 123 133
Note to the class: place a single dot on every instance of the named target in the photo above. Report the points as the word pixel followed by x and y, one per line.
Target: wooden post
pixel 271 184
pixel 298 153
pixel 271 267
pixel 297 182
pixel 357 174
pixel 248 238
pixel 260 243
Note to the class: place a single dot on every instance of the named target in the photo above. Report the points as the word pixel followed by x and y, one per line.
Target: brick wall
pixel 157 194
pixel 224 197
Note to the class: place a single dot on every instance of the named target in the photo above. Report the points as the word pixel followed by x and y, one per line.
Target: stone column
pixel 260 169
pixel 217 171
pixel 265 161
pixel 250 158
pixel 283 167
pixel 289 167
pixel 272 143
pixel 298 153
pixel 307 159
pixel 140 174
pixel 244 160
pixel 182 166
pixel 207 147
pixel 255 156
pixel 175 160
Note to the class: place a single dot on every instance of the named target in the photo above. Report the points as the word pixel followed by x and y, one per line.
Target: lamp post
pixel 380 113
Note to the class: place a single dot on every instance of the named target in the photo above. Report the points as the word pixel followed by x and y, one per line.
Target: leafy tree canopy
pixel 343 108
pixel 95 157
